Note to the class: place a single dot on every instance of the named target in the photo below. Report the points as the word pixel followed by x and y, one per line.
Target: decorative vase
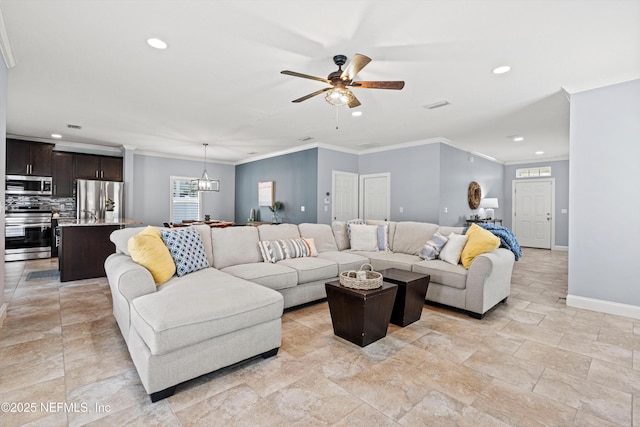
pixel 274 218
pixel 108 216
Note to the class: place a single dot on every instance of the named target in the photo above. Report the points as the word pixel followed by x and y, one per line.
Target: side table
pixel 360 316
pixel 412 290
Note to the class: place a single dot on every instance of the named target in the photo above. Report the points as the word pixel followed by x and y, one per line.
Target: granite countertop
pixel 72 222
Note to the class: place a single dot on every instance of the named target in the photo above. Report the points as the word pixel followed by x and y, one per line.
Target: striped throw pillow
pixel 277 250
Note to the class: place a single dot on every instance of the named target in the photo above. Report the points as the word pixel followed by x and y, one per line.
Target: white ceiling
pixel 86 62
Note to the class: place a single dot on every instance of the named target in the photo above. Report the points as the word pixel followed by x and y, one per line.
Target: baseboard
pixel 603 306
pixel 3 313
pixel 560 248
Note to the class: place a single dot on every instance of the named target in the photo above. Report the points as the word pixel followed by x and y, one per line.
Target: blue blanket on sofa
pixel 507 238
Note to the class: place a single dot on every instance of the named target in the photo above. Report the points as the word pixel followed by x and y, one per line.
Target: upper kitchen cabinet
pixel 62 174
pixel 107 168
pixel 28 158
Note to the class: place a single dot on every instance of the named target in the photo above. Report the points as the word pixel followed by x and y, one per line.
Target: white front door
pixel 345 196
pixel 375 196
pixel 532 215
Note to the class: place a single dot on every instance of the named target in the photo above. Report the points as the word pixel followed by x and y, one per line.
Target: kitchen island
pixel 84 245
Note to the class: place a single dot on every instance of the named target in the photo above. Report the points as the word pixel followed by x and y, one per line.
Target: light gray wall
pixel 3 160
pixel 415 180
pixel 152 188
pixel 560 172
pixel 295 177
pixel 329 161
pixel 458 169
pixel 603 182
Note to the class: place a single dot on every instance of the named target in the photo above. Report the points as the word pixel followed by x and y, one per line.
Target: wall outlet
pixel 326 208
pixel 446 210
pixel 301 208
pixel 401 209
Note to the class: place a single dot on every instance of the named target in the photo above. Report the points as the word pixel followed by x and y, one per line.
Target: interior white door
pixel 375 196
pixel 345 196
pixel 532 213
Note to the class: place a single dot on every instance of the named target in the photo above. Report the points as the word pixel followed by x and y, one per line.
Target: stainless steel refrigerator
pixel 91 199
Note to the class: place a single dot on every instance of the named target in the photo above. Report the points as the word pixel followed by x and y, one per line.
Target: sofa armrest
pixel 489 280
pixel 127 277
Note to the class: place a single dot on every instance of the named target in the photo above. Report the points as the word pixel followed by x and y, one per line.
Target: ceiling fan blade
pixel 354 101
pixel 397 85
pixel 357 63
pixel 305 76
pixel 318 92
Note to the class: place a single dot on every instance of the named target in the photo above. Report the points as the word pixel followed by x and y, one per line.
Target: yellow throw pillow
pixel 479 241
pixel 151 231
pixel 150 252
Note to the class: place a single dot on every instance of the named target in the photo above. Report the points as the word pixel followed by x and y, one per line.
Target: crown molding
pixel 5 46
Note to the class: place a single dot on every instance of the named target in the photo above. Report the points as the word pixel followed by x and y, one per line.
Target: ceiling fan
pixel 341 80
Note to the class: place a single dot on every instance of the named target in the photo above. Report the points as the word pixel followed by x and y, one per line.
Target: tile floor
pixel 531 361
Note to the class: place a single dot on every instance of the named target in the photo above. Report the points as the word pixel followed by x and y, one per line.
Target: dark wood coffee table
pixel 412 290
pixel 360 316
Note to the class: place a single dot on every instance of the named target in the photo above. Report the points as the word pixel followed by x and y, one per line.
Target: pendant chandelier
pixel 204 183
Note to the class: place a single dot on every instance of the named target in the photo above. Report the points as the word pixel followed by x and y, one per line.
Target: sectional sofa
pixel 230 311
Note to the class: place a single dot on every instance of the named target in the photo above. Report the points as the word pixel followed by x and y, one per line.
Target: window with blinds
pixel 185 204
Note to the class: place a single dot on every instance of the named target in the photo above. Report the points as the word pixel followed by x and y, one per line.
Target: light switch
pixel 564 211
pixel 301 208
pixel 401 209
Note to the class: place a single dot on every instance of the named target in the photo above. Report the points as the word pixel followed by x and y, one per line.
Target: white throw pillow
pixel 364 237
pixel 452 250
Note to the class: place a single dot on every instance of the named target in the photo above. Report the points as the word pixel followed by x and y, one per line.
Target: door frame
pixel 361 192
pixel 552 208
pixel 333 191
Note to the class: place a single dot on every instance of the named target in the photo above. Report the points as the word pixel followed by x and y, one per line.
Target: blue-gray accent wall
pixel 328 161
pixel 458 169
pixel 560 172
pixel 152 188
pixel 295 177
pixel 415 180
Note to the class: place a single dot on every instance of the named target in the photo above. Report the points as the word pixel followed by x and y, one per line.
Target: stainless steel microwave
pixel 29 185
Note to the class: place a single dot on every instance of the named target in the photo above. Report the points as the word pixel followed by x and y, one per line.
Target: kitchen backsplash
pixel 66 205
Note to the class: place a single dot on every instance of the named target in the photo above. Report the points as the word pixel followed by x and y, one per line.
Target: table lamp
pixel 488 204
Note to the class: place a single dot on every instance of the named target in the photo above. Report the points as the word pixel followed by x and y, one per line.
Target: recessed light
pixel 56 135
pixel 518 138
pixel 156 43
pixel 356 113
pixel 539 152
pixel 501 69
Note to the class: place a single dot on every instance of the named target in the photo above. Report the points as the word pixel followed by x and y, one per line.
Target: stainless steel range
pixel 27 233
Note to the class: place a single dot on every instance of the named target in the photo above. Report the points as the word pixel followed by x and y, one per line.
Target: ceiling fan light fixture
pixel 338 96
pixel 204 183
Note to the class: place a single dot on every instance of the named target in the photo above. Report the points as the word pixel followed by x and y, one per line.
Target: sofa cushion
pixel 205 234
pixel 346 261
pixel 321 234
pixel 410 236
pixel 453 248
pixel 279 231
pixel 277 250
pixel 311 269
pixel 217 303
pixel 479 241
pixel 121 237
pixel 390 231
pixel 148 250
pixel 433 246
pixel 274 276
pixel 363 237
pixel 383 260
pixel 187 251
pixel 442 272
pixel 235 245
pixel 339 229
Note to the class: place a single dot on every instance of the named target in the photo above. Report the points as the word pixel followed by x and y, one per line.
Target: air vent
pixel 78 127
pixel 305 138
pixel 438 104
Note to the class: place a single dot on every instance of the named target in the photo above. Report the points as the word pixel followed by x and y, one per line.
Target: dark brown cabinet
pixel 83 250
pixel 28 158
pixel 62 174
pixel 88 166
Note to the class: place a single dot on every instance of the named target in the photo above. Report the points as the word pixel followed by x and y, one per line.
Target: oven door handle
pixel 30 225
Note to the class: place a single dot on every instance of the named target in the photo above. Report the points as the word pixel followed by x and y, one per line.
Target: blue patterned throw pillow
pixel 187 251
pixel 433 246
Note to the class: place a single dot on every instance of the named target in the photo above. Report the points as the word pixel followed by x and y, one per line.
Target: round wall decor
pixel 474 194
